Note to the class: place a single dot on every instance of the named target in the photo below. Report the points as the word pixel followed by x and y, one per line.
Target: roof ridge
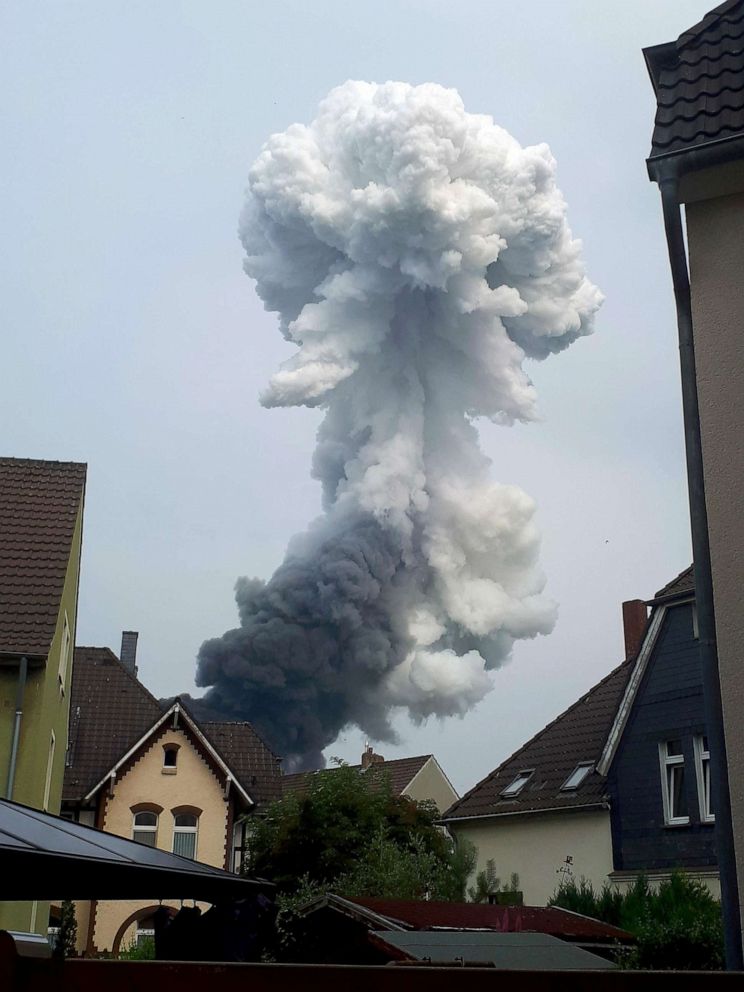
pixel 6 459
pixel 538 735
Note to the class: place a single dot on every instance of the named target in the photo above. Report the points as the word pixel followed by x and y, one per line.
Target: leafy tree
pixel 351 834
pixel 66 944
pixel 676 926
pixel 488 884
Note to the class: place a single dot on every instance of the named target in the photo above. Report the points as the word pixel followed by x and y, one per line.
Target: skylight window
pixel 515 787
pixel 578 775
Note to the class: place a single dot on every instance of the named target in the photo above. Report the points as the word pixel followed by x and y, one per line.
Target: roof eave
pixel 657 57
pixel 671 166
pixel 601 804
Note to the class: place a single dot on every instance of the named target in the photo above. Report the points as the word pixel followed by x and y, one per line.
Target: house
pixel 616 785
pixel 41 525
pixel 342 930
pixel 421 778
pixel 157 776
pixel 697 158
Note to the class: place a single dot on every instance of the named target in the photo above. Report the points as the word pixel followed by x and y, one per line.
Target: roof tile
pixel 39 504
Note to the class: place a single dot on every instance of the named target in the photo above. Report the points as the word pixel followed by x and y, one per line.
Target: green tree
pixel 66 944
pixel 677 925
pixel 351 834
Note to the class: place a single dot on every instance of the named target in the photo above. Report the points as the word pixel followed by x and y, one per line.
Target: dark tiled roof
pixel 39 504
pixel 248 757
pixel 481 916
pixel 699 82
pixel 576 736
pixel 684 583
pixel 109 711
pixel 400 770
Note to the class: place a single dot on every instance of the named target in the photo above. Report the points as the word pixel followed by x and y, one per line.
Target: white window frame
pixel 145 828
pixel 185 830
pixel 587 767
pixel 702 774
pixel 666 762
pixel 64 654
pixel 142 934
pixel 49 770
pixel 512 789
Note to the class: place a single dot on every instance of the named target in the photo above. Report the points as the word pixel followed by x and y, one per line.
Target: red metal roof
pixel 504 919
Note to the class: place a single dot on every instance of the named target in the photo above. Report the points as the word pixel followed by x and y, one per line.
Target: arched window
pixel 184 834
pixel 170 756
pixel 145 829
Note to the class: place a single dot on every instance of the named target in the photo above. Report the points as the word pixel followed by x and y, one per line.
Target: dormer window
pixel 170 758
pixel 515 787
pixel 578 775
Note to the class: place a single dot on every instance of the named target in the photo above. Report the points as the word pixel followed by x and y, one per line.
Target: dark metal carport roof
pixel 46 857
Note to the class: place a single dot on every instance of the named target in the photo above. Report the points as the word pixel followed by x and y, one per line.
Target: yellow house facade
pixel 41 524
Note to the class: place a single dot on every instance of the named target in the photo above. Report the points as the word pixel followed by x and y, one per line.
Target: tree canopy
pixel 350 833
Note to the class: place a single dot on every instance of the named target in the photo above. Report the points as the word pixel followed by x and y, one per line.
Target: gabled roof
pixel 404 914
pixel 112 714
pixel 699 83
pixel 109 710
pixel 39 505
pixel 577 736
pixel 402 772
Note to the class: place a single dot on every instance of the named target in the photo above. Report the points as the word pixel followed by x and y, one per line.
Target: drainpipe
pixel 703 578
pixel 20 691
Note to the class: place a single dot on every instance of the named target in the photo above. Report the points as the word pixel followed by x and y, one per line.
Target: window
pixel 578 775
pixel 49 771
pixel 702 769
pixel 184 834
pixel 170 758
pixel 515 787
pixel 673 792
pixel 145 931
pixel 145 830
pixel 64 654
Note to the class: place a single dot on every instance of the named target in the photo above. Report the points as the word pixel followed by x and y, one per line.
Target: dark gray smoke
pixel 415 254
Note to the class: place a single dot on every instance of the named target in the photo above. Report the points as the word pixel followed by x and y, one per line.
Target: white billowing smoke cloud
pixel 416 255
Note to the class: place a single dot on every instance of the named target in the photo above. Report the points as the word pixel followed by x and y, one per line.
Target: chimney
pixel 369 757
pixel 634 626
pixel 128 653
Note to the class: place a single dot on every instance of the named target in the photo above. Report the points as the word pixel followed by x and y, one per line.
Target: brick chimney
pixel 635 616
pixel 369 757
pixel 128 653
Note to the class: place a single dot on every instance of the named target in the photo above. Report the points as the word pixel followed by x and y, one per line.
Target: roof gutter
pixel 668 184
pixel 525 812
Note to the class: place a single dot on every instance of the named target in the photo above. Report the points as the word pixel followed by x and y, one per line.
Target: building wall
pixel 194 784
pixel 668 705
pixel 45 711
pixel 535 846
pixel 715 227
pixel 431 784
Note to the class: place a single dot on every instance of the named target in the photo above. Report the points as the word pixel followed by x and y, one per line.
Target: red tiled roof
pixel 481 916
pixel 39 504
pixel 402 771
pixel 578 735
pixel 109 711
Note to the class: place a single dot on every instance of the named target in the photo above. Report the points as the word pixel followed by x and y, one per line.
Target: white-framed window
pixel 184 834
pixel 702 772
pixel 145 933
pixel 239 849
pixel 145 828
pixel 578 775
pixel 64 653
pixel 673 785
pixel 170 758
pixel 516 786
pixel 49 770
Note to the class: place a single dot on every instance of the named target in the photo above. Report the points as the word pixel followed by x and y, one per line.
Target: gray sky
pixel 131 339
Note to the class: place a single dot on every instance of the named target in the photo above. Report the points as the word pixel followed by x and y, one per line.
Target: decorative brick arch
pixel 188 810
pixel 146 808
pixel 139 914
